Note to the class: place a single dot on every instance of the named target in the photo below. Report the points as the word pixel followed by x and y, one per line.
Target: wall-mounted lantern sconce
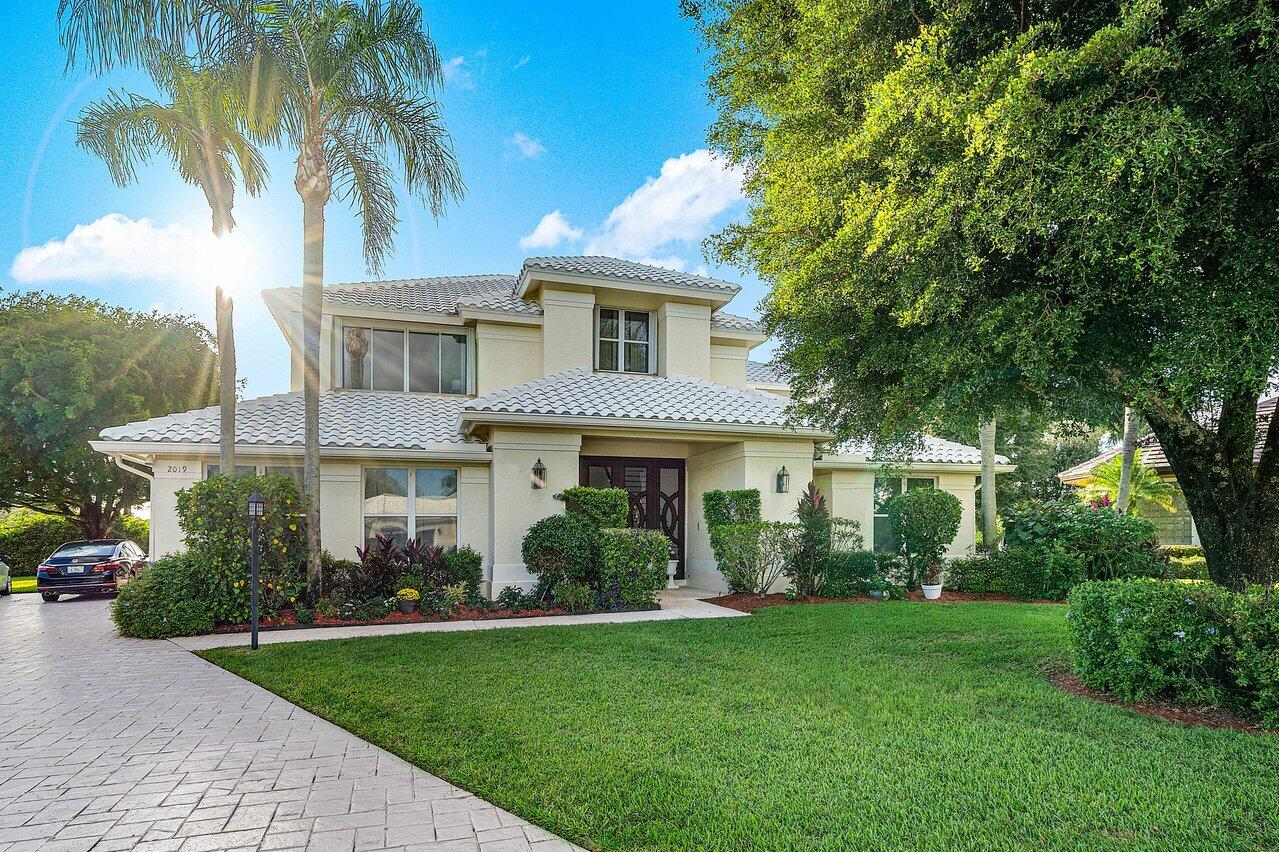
pixel 539 474
pixel 783 480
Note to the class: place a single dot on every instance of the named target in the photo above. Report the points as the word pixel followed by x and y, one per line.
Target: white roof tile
pixel 627 270
pixel 443 295
pixel 348 419
pixel 733 322
pixel 933 451
pixel 660 399
pixel 757 371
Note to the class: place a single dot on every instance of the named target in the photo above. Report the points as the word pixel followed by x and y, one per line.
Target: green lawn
pixel 24 584
pixel 891 726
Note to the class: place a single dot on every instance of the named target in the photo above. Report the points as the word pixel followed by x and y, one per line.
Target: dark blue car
pixel 88 568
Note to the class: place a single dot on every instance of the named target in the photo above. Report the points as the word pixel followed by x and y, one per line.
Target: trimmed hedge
pixel 632 567
pixel 1027 573
pixel 562 548
pixel 1255 623
pixel 465 565
pixel 170 597
pixel 605 507
pixel 28 538
pixel 859 572
pixel 724 508
pixel 1139 637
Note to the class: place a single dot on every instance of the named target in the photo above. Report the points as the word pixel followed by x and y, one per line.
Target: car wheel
pixel 49 597
pixel 8 586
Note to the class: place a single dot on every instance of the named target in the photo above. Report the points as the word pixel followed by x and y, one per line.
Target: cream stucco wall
pixel 515 504
pixel 568 320
pixel 684 340
pixel 728 365
pixel 506 355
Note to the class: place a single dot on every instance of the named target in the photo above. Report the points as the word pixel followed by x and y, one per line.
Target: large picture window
pixel 624 341
pixel 431 513
pixel 886 488
pixel 398 360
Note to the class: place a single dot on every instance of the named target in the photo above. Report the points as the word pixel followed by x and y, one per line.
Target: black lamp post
pixel 257 508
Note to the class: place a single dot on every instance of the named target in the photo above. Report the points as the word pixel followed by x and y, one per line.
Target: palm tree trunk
pixel 989 519
pixel 1127 454
pixel 223 308
pixel 313 185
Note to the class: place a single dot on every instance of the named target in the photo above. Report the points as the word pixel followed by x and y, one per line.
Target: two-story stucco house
pixel 454 408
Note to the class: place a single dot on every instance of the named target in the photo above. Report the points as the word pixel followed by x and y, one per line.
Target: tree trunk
pixel 93 522
pixel 1234 503
pixel 226 369
pixel 1126 457
pixel 989 509
pixel 313 185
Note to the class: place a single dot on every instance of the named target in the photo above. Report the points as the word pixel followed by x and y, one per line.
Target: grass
pixel 23 584
pixel 891 726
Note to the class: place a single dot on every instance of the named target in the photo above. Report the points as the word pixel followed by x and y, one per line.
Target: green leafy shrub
pixel 561 548
pixel 605 507
pixel 1188 567
pixel 813 543
pixel 752 557
pixel 1176 551
pixel 1033 573
pixel 632 567
pixel 1140 637
pixel 1255 627
pixel 465 565
pixel 28 538
pixel 980 573
pixel 382 564
pixel 1111 545
pixel 575 597
pixel 212 516
pixel 514 598
pixel 305 615
pixel 169 597
pixel 454 597
pixel 924 522
pixel 723 508
pixel 338 576
pixel 853 573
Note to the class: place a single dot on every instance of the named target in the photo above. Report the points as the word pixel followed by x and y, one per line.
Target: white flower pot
pixel 931 593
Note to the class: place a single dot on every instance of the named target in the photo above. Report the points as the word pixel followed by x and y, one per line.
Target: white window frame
pixel 621 340
pixel 875 514
pixel 339 343
pixel 411 500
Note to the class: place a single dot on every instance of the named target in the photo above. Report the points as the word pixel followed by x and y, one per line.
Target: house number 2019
pixel 176 468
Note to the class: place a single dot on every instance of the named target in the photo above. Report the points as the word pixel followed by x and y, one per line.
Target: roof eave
pixel 529 279
pixel 863 463
pixel 441 452
pixel 471 419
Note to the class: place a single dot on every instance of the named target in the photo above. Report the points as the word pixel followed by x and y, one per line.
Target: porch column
pixel 515 504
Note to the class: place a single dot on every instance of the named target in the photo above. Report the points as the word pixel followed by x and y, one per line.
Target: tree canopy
pixel 968 207
pixel 70 367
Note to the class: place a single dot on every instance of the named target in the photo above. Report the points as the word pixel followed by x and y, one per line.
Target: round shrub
pixel 170 597
pixel 1140 637
pixel 607 508
pixel 562 548
pixel 924 522
pixel 632 567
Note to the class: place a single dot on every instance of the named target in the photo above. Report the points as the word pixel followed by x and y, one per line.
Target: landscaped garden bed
pixel 744 602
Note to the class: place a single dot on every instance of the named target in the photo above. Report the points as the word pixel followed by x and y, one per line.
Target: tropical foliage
pixel 964 210
pixel 70 366
pixel 1147 488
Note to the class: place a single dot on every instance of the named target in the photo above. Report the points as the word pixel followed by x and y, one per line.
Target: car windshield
pixel 77 551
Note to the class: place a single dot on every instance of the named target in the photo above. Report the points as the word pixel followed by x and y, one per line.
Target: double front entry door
pixel 656 488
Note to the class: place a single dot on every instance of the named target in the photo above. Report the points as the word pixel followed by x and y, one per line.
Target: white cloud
pixel 526 146
pixel 457 75
pixel 524 60
pixel 550 232
pixel 116 248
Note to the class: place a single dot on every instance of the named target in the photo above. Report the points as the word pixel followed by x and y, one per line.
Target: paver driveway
pixel 109 743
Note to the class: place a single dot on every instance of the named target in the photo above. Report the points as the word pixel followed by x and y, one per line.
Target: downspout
pixel 149 476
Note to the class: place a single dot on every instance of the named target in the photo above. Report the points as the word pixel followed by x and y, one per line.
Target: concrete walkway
pixel 111 744
pixel 676 604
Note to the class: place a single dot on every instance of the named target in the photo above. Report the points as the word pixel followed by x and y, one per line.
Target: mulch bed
pixel 746 602
pixel 287 620
pixel 1193 715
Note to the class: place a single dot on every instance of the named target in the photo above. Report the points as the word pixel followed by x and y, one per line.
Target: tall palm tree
pixel 223 309
pixel 1127 455
pixel 348 85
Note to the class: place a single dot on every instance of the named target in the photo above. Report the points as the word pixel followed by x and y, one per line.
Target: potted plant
pixel 932 582
pixel 408 599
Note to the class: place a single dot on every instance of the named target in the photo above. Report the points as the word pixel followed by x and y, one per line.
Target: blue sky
pixel 597 111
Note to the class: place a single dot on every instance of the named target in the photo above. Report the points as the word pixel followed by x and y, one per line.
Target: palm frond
pixel 120 131
pixel 362 177
pixel 1147 488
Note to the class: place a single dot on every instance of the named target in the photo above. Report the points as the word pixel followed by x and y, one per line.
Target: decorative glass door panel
pixel 656 489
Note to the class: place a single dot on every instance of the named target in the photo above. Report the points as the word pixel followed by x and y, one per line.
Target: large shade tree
pixel 969 206
pixel 348 85
pixel 70 367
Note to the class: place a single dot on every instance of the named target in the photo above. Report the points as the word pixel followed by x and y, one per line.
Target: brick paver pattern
pixel 109 744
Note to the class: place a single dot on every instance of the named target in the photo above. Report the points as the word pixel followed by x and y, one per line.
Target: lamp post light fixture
pixel 539 474
pixel 783 480
pixel 257 508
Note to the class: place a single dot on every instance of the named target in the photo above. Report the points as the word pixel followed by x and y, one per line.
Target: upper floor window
pixel 397 360
pixel 624 341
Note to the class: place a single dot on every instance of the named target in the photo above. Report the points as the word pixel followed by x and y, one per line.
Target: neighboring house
pixel 454 408
pixel 1173 527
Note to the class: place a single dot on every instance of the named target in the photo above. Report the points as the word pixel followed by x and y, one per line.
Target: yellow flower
pixel 293 527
